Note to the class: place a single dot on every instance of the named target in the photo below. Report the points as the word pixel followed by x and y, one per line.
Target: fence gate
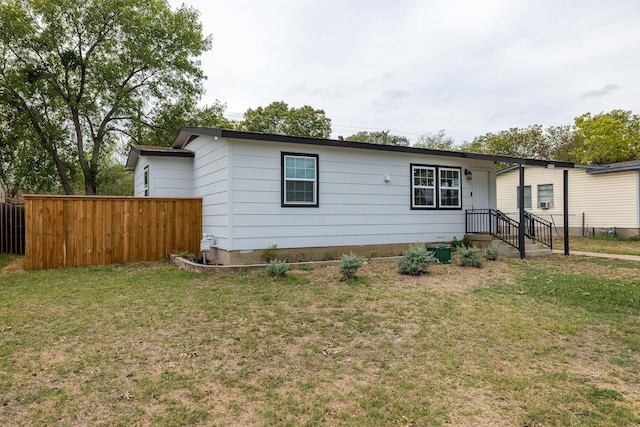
pixel 11 226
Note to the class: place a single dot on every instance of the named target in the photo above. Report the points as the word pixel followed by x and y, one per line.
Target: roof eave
pixel 137 151
pixel 188 134
pixel 609 170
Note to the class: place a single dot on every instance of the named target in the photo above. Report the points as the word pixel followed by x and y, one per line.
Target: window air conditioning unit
pixel 545 205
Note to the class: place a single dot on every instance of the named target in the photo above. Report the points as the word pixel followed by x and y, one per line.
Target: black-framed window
pixel 299 180
pixel 146 180
pixel 435 187
pixel 423 186
pixel 449 183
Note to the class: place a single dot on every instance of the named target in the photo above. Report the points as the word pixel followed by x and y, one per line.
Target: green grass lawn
pixel 610 245
pixel 550 341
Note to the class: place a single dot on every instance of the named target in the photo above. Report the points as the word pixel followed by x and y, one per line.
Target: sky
pixel 415 67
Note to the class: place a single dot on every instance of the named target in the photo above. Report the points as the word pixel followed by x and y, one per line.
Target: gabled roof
pixel 188 134
pixel 151 150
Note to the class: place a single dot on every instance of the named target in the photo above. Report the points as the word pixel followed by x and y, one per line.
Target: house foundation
pixel 224 257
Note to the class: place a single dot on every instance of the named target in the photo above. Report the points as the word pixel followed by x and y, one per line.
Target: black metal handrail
pixel 505 228
pixel 495 223
pixel 538 229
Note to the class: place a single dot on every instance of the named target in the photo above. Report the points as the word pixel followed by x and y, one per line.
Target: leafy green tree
pixel 379 137
pixel 278 118
pixel 23 167
pixel 114 180
pixel 530 142
pixel 607 137
pixel 561 141
pixel 165 121
pixel 79 71
pixel 437 141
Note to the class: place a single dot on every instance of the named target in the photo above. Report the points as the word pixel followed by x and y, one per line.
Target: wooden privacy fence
pixel 11 226
pixel 70 231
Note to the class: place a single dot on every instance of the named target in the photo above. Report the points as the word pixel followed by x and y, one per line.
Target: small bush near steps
pixel 470 256
pixel 277 268
pixel 491 253
pixel 349 265
pixel 416 260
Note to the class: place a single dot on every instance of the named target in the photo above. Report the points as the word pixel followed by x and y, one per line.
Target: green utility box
pixel 442 252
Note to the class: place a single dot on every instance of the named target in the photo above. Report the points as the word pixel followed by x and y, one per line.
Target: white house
pixel 602 199
pixel 317 198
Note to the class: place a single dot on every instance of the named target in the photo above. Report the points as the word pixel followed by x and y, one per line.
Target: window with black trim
pixel 146 180
pixel 299 180
pixel 435 187
pixel 423 183
pixel 449 188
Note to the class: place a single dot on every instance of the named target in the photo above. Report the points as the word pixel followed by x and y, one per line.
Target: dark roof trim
pixel 598 170
pixel 551 162
pixel 144 150
pixel 147 150
pixel 188 134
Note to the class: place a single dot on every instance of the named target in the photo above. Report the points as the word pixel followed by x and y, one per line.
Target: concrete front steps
pixel 532 248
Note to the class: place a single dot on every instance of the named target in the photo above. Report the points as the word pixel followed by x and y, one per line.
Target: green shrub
pixel 491 253
pixel 416 260
pixel 186 255
pixel 270 253
pixel 277 268
pixel 465 242
pixel 349 265
pixel 470 257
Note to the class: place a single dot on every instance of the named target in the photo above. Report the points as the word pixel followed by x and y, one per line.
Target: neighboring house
pixel 601 198
pixel 317 198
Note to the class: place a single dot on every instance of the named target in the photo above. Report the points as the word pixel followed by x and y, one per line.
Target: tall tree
pixel 79 71
pixel 165 122
pixel 278 118
pixel 379 137
pixel 530 142
pixel 561 142
pixel 607 137
pixel 436 141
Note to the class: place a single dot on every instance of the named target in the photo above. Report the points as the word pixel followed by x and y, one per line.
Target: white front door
pixel 480 189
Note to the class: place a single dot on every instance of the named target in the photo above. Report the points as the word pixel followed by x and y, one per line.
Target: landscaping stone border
pixel 249 268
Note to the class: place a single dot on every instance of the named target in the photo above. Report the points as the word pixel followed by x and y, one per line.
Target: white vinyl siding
pixel 357 205
pixel 211 181
pixel 161 176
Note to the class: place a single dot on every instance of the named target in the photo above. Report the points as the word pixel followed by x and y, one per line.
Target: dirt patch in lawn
pixel 15 265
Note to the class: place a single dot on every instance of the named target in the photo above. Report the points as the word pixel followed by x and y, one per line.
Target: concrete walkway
pixel 599 255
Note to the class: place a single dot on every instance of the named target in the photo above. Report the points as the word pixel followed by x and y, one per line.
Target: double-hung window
pixel 450 188
pixel 423 179
pixel 299 180
pixel 435 187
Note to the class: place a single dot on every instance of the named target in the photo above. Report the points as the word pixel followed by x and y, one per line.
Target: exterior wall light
pixel 468 174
